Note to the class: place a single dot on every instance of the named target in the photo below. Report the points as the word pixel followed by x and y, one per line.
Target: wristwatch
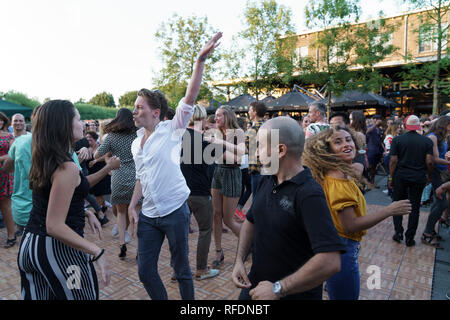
pixel 277 289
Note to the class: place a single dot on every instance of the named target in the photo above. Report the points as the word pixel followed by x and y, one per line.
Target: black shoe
pixel 123 251
pixel 398 237
pixel 217 263
pixel 10 242
pixel 410 242
pixel 104 220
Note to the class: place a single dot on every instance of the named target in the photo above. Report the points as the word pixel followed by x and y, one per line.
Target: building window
pixel 301 52
pixel 377 40
pixel 336 54
pixel 428 38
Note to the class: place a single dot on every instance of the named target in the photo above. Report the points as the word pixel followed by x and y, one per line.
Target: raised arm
pixel 196 79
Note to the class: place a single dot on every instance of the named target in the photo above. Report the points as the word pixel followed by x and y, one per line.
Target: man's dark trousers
pixel 404 189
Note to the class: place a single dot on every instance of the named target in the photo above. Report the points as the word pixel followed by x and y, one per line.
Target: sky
pixel 74 49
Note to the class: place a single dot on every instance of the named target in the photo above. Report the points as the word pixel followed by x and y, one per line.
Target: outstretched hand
pixel 210 46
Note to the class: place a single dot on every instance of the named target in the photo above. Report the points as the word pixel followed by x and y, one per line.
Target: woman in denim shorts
pixel 227 180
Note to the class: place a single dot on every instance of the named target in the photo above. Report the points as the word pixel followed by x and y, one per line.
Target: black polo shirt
pixel 292 223
pixel 411 149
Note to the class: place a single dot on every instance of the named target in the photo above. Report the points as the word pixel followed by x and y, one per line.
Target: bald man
pixel 295 244
pixel 18 124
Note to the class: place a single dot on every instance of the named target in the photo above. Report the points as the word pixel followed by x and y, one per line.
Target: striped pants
pixel 50 270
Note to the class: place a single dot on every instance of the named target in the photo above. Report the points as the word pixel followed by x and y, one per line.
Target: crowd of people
pixel 157 166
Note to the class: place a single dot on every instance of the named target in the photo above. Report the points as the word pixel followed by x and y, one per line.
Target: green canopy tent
pixel 10 109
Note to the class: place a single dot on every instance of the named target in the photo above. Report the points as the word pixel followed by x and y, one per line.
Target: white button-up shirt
pixel 158 164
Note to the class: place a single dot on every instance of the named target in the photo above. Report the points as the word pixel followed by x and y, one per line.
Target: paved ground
pixel 406 273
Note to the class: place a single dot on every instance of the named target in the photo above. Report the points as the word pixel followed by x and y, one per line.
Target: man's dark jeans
pixel 404 189
pixel 151 233
pixel 255 177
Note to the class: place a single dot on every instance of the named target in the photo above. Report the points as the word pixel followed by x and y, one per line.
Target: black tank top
pixel 75 217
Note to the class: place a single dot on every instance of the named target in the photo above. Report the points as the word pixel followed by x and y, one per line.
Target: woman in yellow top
pixel 329 155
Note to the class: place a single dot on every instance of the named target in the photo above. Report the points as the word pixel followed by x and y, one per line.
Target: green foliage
pixel 95 112
pixel 103 99
pixel 181 39
pixel 128 99
pixel 344 44
pixel 21 98
pixel 268 45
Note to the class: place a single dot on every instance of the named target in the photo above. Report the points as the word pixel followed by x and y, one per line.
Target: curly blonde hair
pixel 319 157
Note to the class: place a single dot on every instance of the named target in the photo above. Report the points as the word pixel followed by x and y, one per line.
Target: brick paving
pixel 406 273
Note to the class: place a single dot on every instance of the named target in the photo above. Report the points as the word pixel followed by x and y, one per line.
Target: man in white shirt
pixel 159 180
pixel 318 115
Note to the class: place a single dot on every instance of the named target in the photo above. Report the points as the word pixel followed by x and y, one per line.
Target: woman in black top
pixel 55 261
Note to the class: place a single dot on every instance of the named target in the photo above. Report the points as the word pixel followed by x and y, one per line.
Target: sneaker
pixel 211 273
pixel 127 237
pixel 239 214
pixel 398 237
pixel 115 231
pixel 386 191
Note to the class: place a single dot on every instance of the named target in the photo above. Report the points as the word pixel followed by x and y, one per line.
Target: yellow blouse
pixel 341 194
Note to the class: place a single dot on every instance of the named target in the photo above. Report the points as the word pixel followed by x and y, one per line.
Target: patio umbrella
pixel 293 100
pixel 213 106
pixel 354 98
pixel 240 103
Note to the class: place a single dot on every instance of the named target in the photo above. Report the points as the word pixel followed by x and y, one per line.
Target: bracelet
pixel 201 58
pixel 99 255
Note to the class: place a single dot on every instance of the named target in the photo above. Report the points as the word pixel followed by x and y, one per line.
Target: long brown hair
pixel 52 141
pixel 122 123
pixel 439 128
pixel 230 118
pixel 6 121
pixel 358 122
pixel 319 157
pixel 393 128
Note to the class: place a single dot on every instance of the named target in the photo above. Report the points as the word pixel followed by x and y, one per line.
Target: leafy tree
pixel 230 67
pixel 268 47
pixel 180 39
pixel 349 50
pixel 95 112
pixel 103 99
pixel 434 27
pixel 128 98
pixel 21 98
pixel 372 43
pixel 335 41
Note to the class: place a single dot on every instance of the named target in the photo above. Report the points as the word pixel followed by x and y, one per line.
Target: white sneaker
pixel 115 231
pixel 385 191
pixel 127 237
